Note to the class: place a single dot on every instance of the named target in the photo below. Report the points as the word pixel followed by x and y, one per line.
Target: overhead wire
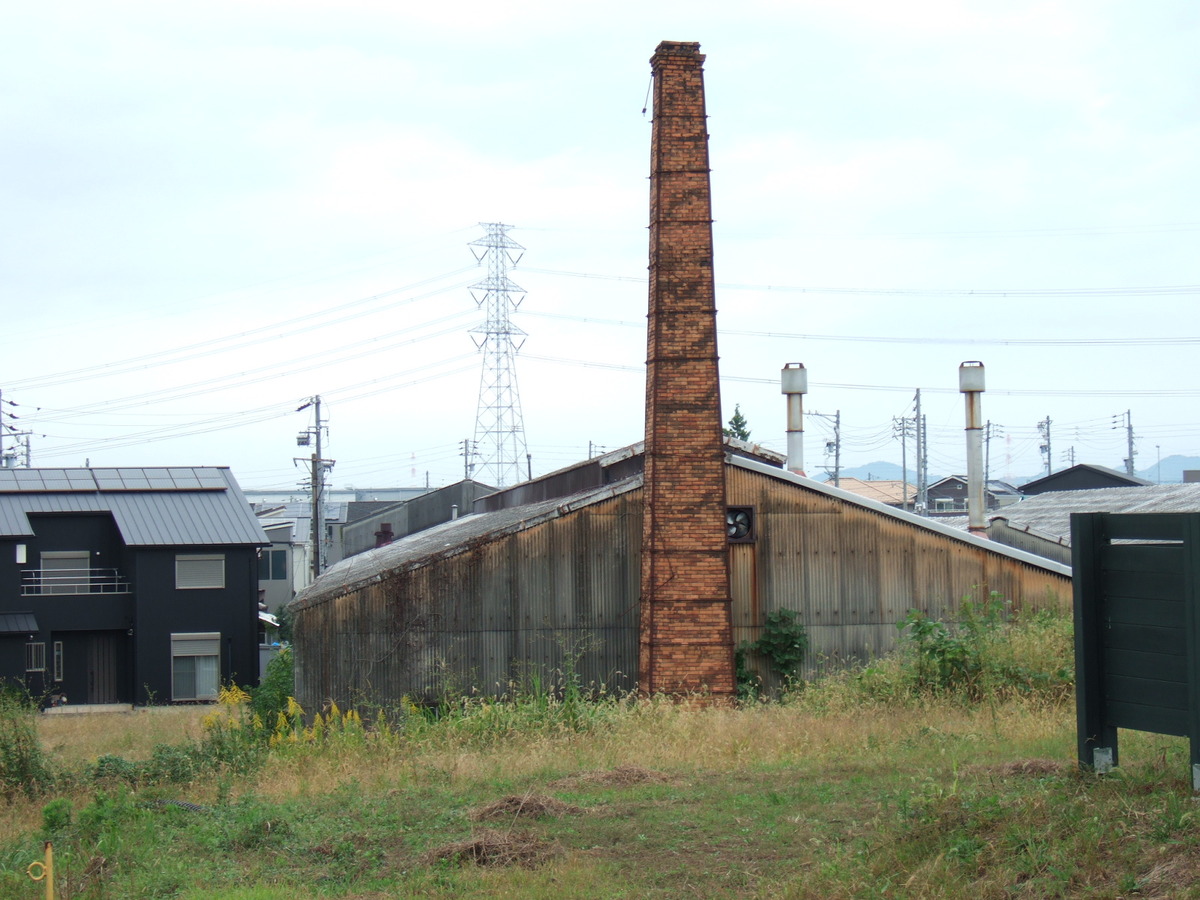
pixel 239 340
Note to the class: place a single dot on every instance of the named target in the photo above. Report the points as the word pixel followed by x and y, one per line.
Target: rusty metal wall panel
pixel 511 614
pixel 491 615
pixel 852 573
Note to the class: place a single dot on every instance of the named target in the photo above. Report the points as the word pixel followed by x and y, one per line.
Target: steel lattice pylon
pixel 499 428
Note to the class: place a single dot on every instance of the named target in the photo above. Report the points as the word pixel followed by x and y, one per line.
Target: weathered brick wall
pixel 686 637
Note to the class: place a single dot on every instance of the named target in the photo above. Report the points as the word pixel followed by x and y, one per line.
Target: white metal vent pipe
pixel 794 380
pixel 971 384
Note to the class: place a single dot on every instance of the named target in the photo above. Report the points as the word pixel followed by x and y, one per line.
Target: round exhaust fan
pixel 739 523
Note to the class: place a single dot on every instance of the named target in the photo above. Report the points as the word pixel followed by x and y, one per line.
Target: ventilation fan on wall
pixel 739 523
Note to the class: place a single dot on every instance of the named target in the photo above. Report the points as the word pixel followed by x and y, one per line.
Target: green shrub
pixel 56 817
pixel 986 650
pixel 24 767
pixel 783 643
pixel 270 698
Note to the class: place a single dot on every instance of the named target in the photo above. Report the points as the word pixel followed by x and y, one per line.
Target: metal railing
pixel 72 582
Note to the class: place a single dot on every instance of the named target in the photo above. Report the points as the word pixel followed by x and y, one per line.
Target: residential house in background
pixel 897 494
pixel 948 496
pixel 127 585
pixel 1082 477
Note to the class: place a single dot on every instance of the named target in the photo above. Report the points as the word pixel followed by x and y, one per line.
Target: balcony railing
pixel 72 581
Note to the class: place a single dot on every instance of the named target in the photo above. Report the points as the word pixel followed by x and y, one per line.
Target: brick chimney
pixel 686 633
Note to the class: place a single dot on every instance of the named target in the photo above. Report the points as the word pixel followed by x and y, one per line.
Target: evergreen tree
pixel 737 425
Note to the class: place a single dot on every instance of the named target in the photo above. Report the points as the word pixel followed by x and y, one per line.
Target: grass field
pixel 874 784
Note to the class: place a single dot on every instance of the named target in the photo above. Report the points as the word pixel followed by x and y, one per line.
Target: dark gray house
pixel 125 585
pixel 1082 477
pixel 948 496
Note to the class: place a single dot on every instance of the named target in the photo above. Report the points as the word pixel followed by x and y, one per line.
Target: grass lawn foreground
pixel 901 780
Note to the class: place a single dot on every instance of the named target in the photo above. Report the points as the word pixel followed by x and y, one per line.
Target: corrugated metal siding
pixel 852 573
pixel 502 615
pixel 1000 531
pixel 509 603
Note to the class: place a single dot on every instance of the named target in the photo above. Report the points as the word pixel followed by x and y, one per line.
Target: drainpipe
pixel 794 379
pixel 970 383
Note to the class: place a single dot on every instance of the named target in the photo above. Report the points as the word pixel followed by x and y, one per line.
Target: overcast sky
pixel 214 211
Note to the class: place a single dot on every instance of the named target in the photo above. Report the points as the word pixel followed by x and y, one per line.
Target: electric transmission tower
pixel 499 427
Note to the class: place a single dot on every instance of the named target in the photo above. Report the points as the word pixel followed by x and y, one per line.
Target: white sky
pixel 213 211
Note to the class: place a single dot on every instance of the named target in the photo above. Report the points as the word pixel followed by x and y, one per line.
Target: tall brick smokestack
pixel 686 633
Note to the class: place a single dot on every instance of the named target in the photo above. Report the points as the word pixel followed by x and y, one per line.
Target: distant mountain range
pixel 1171 472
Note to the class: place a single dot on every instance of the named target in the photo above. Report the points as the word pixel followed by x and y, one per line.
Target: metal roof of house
pixel 1050 513
pixel 1119 478
pixel 888 491
pixel 18 623
pixel 157 507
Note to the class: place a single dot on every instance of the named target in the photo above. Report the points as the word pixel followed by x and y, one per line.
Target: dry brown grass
pixel 496 848
pixel 527 806
pixel 621 776
pixel 78 738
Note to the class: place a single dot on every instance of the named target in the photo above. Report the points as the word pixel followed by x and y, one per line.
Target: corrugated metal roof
pixel 1050 513
pixel 18 623
pixel 459 535
pixel 151 507
pixel 448 539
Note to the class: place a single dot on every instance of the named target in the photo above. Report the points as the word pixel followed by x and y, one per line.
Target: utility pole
pixel 1069 456
pixel 1128 426
pixel 990 430
pixel 499 426
pixel 900 429
pixel 922 460
pixel 1044 448
pixel 318 467
pixel 468 453
pixel 834 448
pixel 9 455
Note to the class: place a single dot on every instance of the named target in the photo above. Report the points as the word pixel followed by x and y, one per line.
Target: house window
pixel 58 660
pixel 35 657
pixel 199 570
pixel 66 572
pixel 195 665
pixel 274 566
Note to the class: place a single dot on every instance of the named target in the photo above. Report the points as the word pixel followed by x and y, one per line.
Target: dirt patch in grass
pixel 621 776
pixel 530 806
pixel 1165 879
pixel 496 848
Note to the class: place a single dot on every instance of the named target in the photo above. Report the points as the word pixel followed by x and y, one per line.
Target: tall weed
pixel 984 652
pixel 24 766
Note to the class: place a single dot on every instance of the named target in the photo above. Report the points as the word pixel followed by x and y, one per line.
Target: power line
pixel 1129 291
pixel 240 340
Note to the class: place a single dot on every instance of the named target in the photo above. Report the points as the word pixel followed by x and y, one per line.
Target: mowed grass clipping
pixel 860 786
